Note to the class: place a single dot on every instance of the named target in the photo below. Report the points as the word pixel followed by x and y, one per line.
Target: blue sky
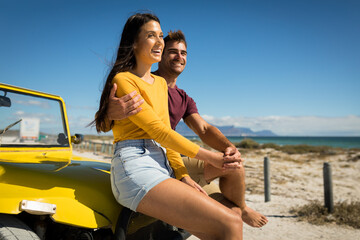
pixel 288 66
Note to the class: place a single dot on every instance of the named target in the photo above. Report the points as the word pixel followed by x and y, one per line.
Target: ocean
pixel 342 142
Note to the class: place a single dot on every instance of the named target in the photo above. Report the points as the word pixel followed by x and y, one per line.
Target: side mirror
pixel 78 138
pixel 62 140
pixel 5 101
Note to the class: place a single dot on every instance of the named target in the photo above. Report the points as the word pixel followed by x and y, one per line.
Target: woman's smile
pixel 149 44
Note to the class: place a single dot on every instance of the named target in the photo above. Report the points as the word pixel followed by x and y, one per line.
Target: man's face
pixel 174 57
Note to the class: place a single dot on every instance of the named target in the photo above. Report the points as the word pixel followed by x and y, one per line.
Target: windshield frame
pixel 12 89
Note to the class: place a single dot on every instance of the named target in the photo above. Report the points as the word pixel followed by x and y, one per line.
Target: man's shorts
pixel 195 169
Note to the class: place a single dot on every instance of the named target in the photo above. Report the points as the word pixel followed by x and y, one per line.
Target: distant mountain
pixel 229 131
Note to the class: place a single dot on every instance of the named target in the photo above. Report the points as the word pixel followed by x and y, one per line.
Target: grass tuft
pixel 344 214
pixel 248 143
pixel 354 159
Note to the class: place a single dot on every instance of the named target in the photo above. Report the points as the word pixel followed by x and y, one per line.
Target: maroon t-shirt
pixel 180 105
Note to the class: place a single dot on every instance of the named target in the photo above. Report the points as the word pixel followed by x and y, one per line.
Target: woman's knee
pixel 232 227
pixel 236 223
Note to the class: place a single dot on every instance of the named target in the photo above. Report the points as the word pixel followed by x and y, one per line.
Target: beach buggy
pixel 46 191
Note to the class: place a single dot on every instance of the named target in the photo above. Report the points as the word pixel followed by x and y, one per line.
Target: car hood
pixel 79 187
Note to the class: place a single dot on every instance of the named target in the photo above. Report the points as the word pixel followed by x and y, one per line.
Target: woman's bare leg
pixel 232 186
pixel 180 205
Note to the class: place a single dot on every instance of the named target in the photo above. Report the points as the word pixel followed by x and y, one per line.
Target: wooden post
pixel 267 179
pixel 328 191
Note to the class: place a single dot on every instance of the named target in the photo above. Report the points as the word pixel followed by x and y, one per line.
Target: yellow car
pixel 48 193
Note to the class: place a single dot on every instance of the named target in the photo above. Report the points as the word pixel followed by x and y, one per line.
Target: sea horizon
pixel 331 141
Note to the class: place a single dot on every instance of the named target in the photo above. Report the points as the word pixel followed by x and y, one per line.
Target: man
pixel 181 106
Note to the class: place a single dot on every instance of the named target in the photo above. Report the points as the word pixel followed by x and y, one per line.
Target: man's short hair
pixel 177 36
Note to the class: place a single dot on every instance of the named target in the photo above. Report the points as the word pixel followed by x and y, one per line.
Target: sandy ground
pixel 295 181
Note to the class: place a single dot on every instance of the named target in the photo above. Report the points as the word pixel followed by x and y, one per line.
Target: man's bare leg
pixel 232 186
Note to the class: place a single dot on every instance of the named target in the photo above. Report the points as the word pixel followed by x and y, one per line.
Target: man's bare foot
pixel 253 218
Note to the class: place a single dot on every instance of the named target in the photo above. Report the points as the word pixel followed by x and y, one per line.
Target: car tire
pixel 122 224
pixel 12 228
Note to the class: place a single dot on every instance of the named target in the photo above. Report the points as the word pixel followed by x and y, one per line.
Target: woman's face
pixel 149 44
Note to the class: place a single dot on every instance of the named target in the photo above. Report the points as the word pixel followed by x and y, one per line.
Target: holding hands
pixel 230 160
pixel 232 157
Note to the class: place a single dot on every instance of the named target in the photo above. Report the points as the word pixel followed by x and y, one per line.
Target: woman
pixel 141 177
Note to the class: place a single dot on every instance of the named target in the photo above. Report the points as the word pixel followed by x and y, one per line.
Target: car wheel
pixel 13 228
pixel 122 224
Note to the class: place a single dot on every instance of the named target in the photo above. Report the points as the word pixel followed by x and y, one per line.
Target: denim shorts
pixel 137 166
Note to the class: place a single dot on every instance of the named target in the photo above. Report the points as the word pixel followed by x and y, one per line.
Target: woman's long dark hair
pixel 125 60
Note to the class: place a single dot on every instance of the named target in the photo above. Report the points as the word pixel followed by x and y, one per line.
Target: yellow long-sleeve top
pixel 153 121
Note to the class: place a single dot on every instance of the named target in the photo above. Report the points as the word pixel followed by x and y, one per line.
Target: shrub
pixel 248 143
pixel 296 149
pixel 271 145
pixel 344 214
pixel 303 148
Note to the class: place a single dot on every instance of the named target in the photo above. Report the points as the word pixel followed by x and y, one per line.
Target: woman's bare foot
pixel 253 218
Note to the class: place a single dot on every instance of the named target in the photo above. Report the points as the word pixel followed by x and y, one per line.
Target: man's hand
pixel 188 180
pixel 120 108
pixel 232 154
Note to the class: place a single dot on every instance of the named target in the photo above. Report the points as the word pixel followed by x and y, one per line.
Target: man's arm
pixel 211 135
pixel 121 108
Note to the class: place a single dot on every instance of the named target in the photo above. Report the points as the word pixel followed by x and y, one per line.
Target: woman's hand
pixel 193 184
pixel 233 158
pixel 219 160
pixel 233 154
